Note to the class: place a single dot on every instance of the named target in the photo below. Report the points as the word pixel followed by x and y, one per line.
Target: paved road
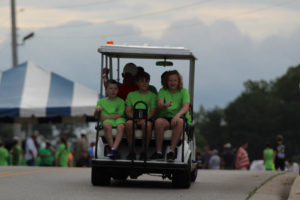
pixel 38 183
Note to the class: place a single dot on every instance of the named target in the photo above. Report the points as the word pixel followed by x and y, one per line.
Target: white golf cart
pixel 183 170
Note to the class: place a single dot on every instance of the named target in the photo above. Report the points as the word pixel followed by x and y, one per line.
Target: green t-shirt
pixel 62 155
pixel 149 98
pixel 178 99
pixel 16 155
pixel 48 160
pixel 3 156
pixel 112 107
pixel 153 89
pixel 268 158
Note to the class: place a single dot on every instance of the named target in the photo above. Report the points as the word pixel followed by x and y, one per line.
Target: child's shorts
pixel 114 122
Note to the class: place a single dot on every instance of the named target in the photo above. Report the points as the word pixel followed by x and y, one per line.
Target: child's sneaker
pixel 113 154
pixel 157 156
pixel 171 156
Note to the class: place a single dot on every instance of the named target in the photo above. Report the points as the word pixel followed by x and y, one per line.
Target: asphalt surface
pixel 37 183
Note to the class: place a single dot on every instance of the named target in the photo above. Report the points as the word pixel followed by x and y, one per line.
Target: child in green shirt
pixel 112 110
pixel 173 102
pixel 145 95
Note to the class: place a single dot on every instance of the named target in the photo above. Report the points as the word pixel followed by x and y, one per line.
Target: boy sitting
pixel 142 94
pixel 112 111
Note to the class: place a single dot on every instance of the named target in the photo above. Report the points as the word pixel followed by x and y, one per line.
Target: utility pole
pixel 14 34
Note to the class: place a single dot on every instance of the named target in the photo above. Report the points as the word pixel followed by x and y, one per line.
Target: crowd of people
pixel 232 158
pixel 31 153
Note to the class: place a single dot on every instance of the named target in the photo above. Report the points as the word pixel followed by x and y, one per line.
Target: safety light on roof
pixel 164 63
pixel 110 42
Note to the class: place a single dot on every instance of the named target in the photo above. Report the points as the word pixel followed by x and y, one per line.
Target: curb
pixel 295 189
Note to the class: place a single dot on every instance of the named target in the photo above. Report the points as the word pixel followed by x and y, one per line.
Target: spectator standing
pixel 214 161
pixel 199 160
pixel 268 155
pixel 242 159
pixel 280 154
pixel 3 155
pixel 91 151
pixel 62 154
pixel 227 157
pixel 292 166
pixel 206 156
pixel 16 152
pixel 46 154
pixel 81 148
pixel 31 151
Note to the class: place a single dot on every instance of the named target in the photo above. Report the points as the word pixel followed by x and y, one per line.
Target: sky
pixel 233 40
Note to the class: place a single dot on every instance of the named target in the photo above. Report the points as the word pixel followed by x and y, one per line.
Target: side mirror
pixel 164 63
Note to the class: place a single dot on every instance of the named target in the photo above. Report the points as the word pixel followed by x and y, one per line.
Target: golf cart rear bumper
pixel 150 166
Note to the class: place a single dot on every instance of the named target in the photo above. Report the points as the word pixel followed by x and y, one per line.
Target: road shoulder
pixel 277 188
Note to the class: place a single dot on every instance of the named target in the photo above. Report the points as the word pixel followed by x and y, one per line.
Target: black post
pixel 98 128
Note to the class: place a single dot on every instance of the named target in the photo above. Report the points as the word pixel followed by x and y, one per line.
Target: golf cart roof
pixel 150 52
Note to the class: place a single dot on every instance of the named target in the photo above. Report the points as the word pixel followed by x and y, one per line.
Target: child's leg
pixel 119 135
pixel 108 133
pixel 149 131
pixel 176 134
pixel 161 125
pixel 128 128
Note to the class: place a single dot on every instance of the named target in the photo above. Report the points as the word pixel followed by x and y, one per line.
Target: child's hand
pixel 99 109
pixel 169 103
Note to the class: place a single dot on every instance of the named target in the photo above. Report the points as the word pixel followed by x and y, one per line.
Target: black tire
pixel 182 179
pixel 194 174
pixel 100 176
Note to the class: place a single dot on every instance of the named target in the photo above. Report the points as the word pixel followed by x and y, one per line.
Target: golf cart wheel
pixel 100 176
pixel 194 174
pixel 182 179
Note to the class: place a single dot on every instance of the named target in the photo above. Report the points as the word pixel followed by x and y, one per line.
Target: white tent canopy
pixel 28 90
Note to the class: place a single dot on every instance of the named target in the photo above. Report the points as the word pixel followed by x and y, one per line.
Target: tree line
pixel 263 110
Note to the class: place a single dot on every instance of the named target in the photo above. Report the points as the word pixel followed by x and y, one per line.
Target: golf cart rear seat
pixel 138 134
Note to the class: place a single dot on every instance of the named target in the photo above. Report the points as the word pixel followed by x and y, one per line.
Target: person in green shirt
pixel 145 95
pixel 173 102
pixel 112 115
pixel 62 153
pixel 46 154
pixel 16 152
pixel 140 70
pixel 3 155
pixel 269 157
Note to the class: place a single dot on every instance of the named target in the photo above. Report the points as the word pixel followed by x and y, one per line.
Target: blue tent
pixel 28 90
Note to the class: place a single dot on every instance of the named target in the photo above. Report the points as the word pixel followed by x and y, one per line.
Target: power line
pixel 280 4
pixel 144 14
pixel 83 4
pixel 174 26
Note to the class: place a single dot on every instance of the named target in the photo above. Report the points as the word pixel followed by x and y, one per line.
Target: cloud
pixel 227 56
